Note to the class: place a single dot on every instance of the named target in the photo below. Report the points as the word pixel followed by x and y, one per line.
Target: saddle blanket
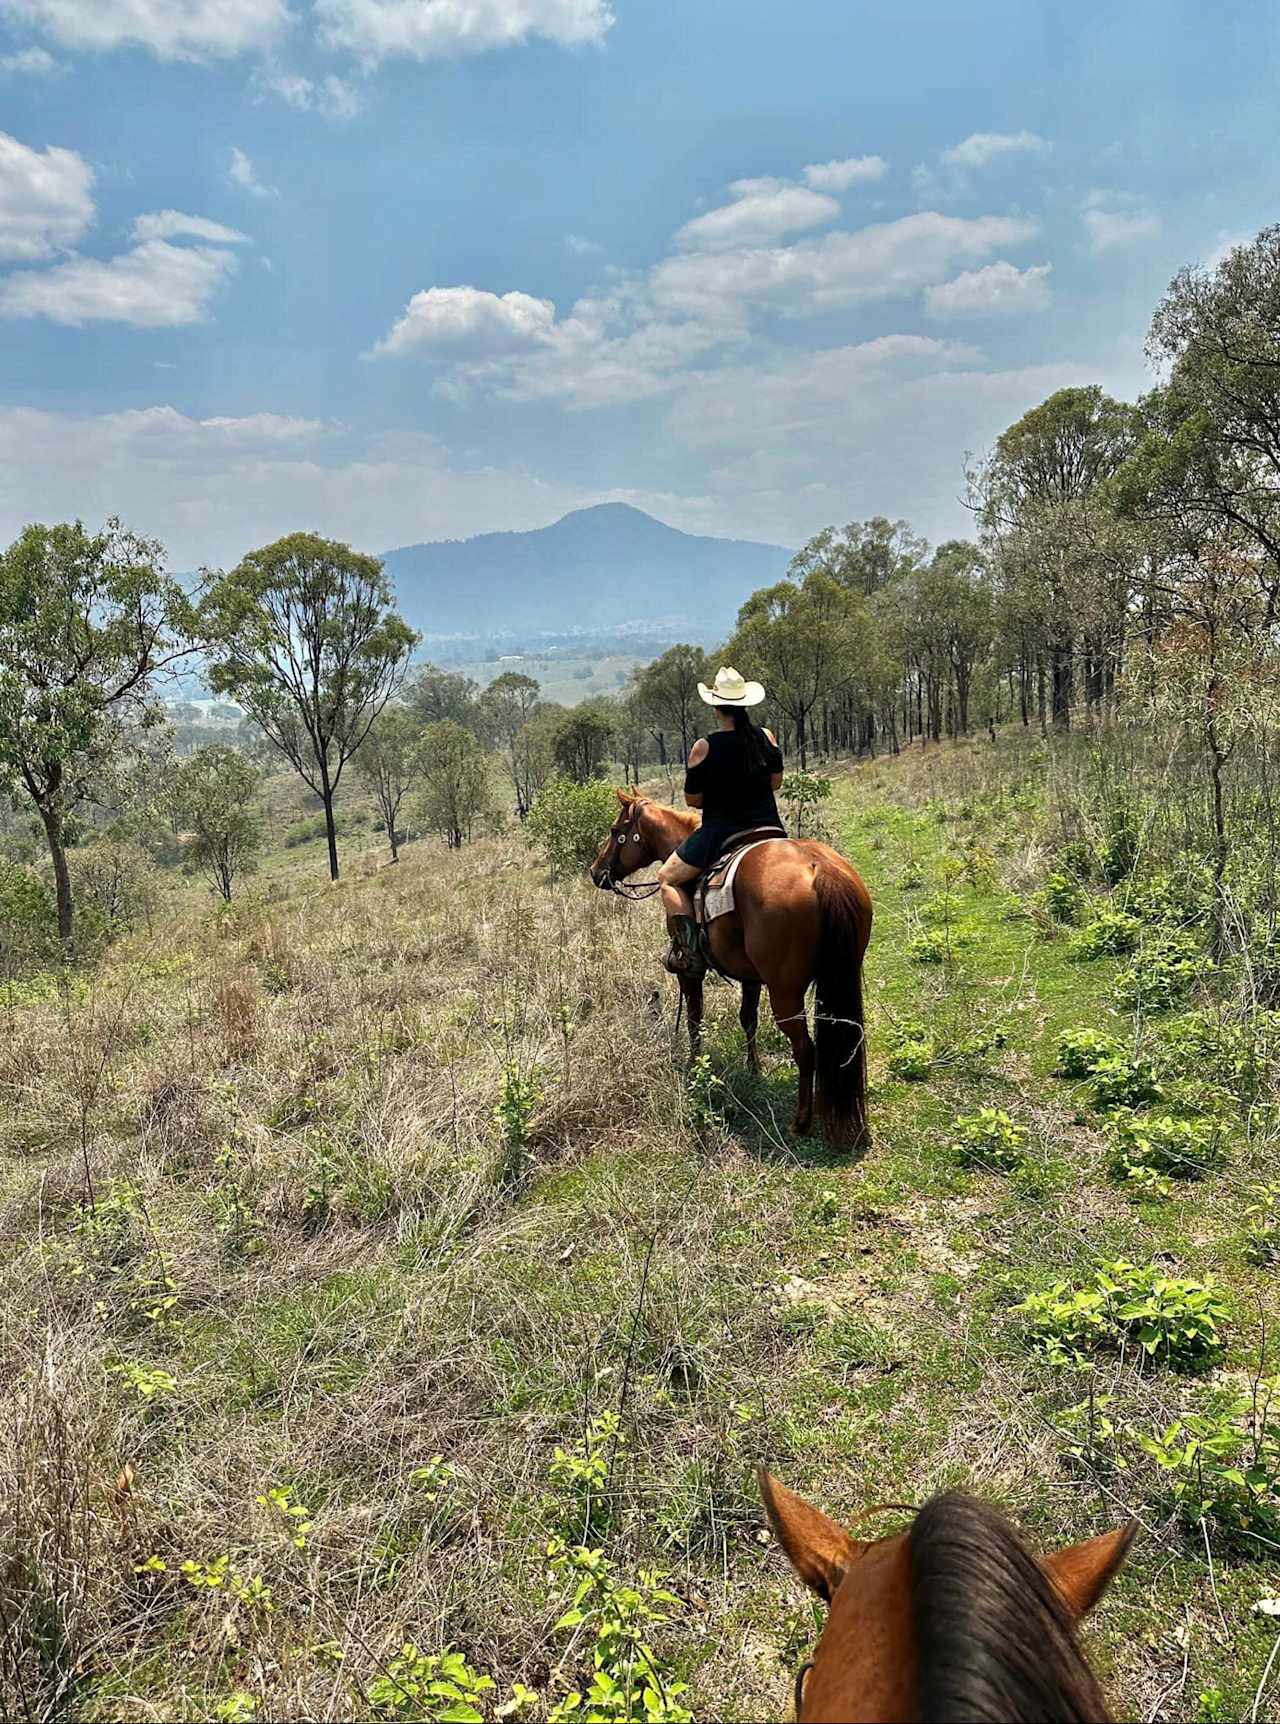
pixel 717 898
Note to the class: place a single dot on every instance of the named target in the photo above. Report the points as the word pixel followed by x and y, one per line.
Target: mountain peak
pixel 607 567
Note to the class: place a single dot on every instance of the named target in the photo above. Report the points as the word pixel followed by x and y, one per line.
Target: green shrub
pixel 1125 1080
pixel 1118 850
pixel 313 827
pixel 990 1139
pixel 1163 1144
pixel 911 1050
pixel 28 914
pixel 1064 899
pixel 1078 859
pixel 1081 1051
pixel 1111 934
pixel 1222 1466
pixel 1176 1323
pixel 568 822
pixel 1262 1218
pixel 1163 973
pixel 441 1687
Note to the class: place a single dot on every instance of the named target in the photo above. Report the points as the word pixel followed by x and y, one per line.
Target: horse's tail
pixel 840 1064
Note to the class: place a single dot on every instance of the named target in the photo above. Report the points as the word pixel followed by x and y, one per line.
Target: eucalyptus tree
pixel 390 763
pixel 1049 473
pixel 87 620
pixel 1217 335
pixel 799 638
pixel 212 791
pixel 303 635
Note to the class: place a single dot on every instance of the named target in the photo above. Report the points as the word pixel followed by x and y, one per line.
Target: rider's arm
pixel 776 778
pixel 693 778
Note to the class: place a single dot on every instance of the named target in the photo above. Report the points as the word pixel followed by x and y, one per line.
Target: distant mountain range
pixel 606 572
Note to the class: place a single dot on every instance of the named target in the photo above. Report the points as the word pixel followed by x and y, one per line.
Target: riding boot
pixel 686 956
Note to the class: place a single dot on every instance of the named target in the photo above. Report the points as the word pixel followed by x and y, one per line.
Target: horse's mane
pixel 993 1639
pixel 686 817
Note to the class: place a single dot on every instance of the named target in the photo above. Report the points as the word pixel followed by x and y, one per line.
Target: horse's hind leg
pixel 749 1018
pixel 788 1011
pixel 691 988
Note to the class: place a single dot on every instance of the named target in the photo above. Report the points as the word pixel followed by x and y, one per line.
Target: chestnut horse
pixel 801 915
pixel 952 1619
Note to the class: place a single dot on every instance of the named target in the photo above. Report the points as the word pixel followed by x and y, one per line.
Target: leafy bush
pixel 1118 850
pixel 568 822
pixel 1081 1051
pixel 626 1679
pixel 1163 973
pixel 1163 1144
pixel 307 831
pixel 1176 1323
pixel 1125 1080
pixel 804 793
pixel 28 914
pixel 940 945
pixel 1078 859
pixel 1262 1219
pixel 1111 934
pixel 990 1139
pixel 1223 1466
pixel 440 1687
pixel 1064 899
pixel 911 1050
pixel 114 885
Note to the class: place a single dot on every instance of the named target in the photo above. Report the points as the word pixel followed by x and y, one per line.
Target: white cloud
pixel 581 246
pixel 156 285
pixel 980 149
pixel 334 98
pixel 443 29
pixel 46 201
pixel 31 63
pixel 1116 218
pixel 172 224
pixel 841 269
pixel 212 489
pixel 762 211
pixel 467 317
pixel 241 174
pixel 719 407
pixel 839 176
pixel 171 29
pixel 841 434
pixel 998 288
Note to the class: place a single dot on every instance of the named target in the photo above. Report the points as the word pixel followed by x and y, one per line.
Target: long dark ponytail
pixel 750 738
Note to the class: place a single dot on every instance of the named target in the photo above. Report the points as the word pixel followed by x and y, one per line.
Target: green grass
pixel 661 1251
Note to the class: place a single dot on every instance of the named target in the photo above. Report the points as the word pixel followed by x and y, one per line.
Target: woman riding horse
pixel 733 775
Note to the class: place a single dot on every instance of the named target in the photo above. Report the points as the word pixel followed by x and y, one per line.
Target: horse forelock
pixel 993 1640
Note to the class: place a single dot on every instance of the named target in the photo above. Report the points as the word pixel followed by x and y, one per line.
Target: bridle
pixel 803 1671
pixel 624 888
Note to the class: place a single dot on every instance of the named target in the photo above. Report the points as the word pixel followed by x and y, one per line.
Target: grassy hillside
pixel 389 1198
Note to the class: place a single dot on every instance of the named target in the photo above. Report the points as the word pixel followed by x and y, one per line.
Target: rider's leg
pixel 685 955
pixel 674 876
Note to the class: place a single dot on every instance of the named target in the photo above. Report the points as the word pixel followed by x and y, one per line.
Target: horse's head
pixel 628 846
pixel 959 1577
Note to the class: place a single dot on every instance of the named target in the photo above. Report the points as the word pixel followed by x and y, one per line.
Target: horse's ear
pixel 819 1550
pixel 1083 1572
pixel 624 797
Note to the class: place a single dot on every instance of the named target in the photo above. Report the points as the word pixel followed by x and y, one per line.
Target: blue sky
pixel 407 269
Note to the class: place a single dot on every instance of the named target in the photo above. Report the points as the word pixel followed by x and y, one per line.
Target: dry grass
pixel 264 1227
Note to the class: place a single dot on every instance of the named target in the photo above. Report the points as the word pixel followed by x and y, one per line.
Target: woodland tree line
pixel 1124 563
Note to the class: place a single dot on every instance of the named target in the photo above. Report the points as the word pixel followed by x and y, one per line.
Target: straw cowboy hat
pixel 730 689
